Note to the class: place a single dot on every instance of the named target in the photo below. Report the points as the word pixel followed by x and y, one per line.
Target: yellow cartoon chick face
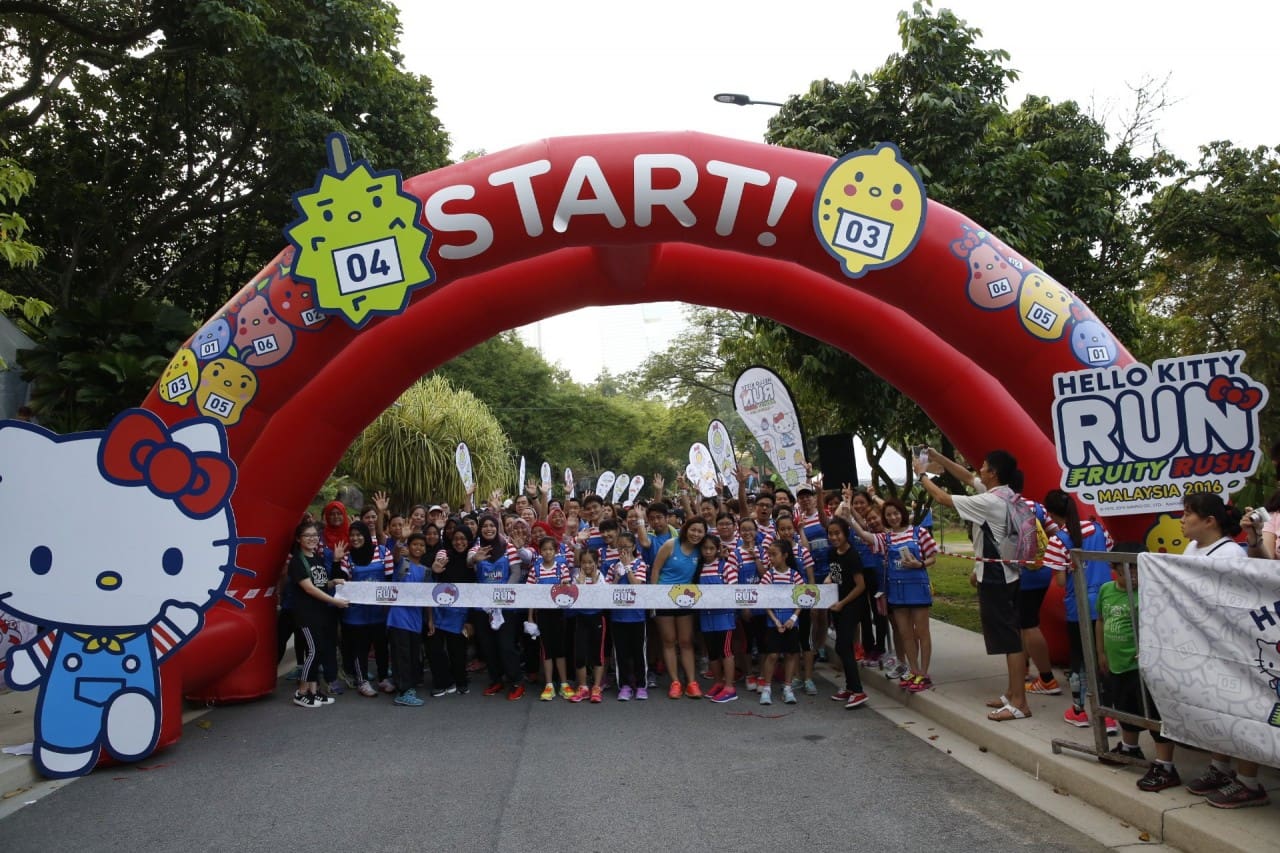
pixel 1044 306
pixel 178 381
pixel 226 388
pixel 870 209
pixel 685 596
pixel 1165 536
pixel 805 595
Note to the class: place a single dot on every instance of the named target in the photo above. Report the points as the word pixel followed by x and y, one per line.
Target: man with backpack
pixel 1002 540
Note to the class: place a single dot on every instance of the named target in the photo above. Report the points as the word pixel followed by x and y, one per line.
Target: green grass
pixel 954 600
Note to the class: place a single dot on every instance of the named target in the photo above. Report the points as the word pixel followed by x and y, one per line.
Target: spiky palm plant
pixel 409 449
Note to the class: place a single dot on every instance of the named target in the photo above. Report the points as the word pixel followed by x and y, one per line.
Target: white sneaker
pixel 766 696
pixel 788 695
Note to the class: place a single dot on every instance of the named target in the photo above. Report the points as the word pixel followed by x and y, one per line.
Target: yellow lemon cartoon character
pixel 685 595
pixel 226 388
pixel 359 239
pixel 1165 536
pixel 1044 306
pixel 869 210
pixel 805 595
pixel 178 381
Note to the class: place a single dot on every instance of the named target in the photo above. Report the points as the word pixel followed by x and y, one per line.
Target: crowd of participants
pixel 871 548
pixel 1010 599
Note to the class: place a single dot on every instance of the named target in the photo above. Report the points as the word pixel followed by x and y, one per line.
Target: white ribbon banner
pixel 591 596
pixel 1209 651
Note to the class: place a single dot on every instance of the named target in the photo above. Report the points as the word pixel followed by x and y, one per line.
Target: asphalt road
pixel 471 773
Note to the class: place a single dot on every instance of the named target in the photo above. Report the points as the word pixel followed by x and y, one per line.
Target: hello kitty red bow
pixel 1233 392
pixel 138 450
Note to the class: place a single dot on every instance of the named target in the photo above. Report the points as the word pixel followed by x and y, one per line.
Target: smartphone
pixel 921 452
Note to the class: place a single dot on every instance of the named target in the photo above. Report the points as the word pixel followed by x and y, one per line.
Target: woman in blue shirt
pixel 677 563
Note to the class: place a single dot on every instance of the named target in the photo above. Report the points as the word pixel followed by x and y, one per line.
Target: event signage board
pixel 722 454
pixel 765 406
pixel 1209 651
pixel 1138 439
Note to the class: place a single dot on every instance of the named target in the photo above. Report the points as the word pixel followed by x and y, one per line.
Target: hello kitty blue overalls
pixel 87 672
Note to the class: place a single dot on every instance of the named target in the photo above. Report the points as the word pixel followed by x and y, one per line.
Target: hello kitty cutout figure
pixel 121 588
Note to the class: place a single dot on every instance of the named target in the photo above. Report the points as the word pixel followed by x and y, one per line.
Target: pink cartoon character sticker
pixel 261 338
pixel 995 273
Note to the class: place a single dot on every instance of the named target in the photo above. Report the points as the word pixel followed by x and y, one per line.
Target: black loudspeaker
pixel 837 461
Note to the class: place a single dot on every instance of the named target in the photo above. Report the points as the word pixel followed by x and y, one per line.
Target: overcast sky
pixel 507 73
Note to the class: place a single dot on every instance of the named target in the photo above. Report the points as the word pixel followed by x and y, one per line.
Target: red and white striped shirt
pixel 725 569
pixel 638 567
pixel 1057 555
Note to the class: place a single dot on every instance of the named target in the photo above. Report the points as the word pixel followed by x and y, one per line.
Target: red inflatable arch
pixel 961 323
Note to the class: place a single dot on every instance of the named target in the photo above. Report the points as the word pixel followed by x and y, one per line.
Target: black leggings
pixel 551 633
pixel 286 627
pixel 846 621
pixel 629 658
pixel 447 653
pixel 356 640
pixel 719 644
pixel 500 651
pixel 588 639
pixel 753 627
pixel 320 652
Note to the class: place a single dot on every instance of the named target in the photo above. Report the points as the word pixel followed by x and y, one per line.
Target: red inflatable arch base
pixel 970 330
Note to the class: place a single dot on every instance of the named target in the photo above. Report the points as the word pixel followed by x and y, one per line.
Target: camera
pixel 1260 516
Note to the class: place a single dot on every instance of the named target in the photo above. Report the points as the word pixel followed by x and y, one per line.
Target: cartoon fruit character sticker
pixel 1044 306
pixel 360 240
pixel 213 340
pixel 179 379
pixel 261 338
pixel 995 274
pixel 1092 344
pixel 869 210
pixel 295 303
pixel 226 388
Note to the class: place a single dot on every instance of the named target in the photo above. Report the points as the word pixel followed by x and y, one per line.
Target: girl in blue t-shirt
pixel 628 625
pixel 1087 535
pixel 717 566
pixel 783 634
pixel 589 634
pixel 404 627
pixel 364 625
pixel 498 633
pixel 550 569
pixel 750 622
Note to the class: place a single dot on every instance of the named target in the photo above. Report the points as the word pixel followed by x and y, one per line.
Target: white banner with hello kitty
pixel 1209 651
pixel 592 596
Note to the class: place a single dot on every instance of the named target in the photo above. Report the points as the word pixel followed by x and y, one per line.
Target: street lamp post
pixel 743 100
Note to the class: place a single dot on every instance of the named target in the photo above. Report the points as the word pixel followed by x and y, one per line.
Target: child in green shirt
pixel 1118 660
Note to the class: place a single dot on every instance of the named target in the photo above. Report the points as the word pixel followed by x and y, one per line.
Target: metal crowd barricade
pixel 1098 712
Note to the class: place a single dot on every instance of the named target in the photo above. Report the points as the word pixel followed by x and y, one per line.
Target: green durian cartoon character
pixel 359 239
